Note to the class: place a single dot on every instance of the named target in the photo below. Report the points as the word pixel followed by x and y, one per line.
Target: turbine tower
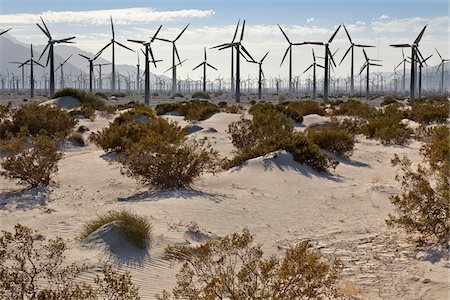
pixel 260 74
pixel 31 62
pixel 204 64
pixel 441 66
pixel 50 44
pixel 91 67
pixel 314 65
pixel 61 65
pixel 289 49
pixel 351 48
pixel 366 66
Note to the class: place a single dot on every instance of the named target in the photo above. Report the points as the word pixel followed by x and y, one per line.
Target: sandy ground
pixel 281 202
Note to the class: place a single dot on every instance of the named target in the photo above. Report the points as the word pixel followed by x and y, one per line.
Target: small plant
pixel 268 108
pixel 32 271
pixel 200 95
pixel 388 99
pixel 194 110
pixel 37 119
pixel 389 130
pixel 307 107
pixel 136 229
pixel 233 268
pixel 333 139
pixel 86 98
pixel 426 112
pixel 356 108
pixel 31 161
pixel 164 165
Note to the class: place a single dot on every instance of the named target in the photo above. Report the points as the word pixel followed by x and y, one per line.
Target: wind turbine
pixel 289 49
pixel 366 66
pixel 61 65
pixel 100 81
pixel 328 55
pixel 204 64
pixel 174 53
pixel 441 66
pixel 138 75
pixel 260 74
pixel 239 47
pixel 31 61
pixel 414 49
pixel 112 43
pixel 314 65
pixel 50 57
pixel 351 48
pixel 148 51
pixel 421 61
pixel 21 65
pixel 91 67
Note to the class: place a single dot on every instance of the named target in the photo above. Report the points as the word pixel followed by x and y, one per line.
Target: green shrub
pixel 270 131
pixel 350 125
pixel 134 228
pixel 388 99
pixel 131 127
pixel 356 108
pixel 307 107
pixel 31 161
pixel 200 95
pixel 194 110
pixel 436 151
pixel 84 97
pixel 35 119
pixel 427 112
pixel 222 104
pixel 333 139
pixel 233 109
pixel 233 267
pixel 387 129
pixel 31 269
pixel 85 110
pixel 164 165
pixel 269 108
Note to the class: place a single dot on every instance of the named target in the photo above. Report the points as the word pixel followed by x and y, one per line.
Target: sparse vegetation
pixel 268 108
pixel 388 129
pixel 200 95
pixel 194 110
pixel 233 268
pixel 271 130
pixel 426 112
pixel 306 107
pixel 134 228
pixel 356 108
pixel 30 160
pixel 32 271
pixel 333 139
pixel 388 99
pixel 86 99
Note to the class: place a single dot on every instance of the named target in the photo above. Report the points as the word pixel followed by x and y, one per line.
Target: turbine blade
pixel 284 33
pixel 24 63
pixel 43 52
pixel 84 56
pixel 285 53
pixel 219 46
pixel 45 32
pixel 156 33
pixel 308 68
pixel 331 56
pixel 204 48
pixel 362 69
pixel 348 50
pixel 320 66
pixel 312 43
pixel 151 55
pixel 67 59
pixel 181 33
pixel 400 45
pixel 314 56
pixel 365 55
pixel 246 52
pixel 242 32
pixel 5 31
pixel 46 28
pixel 235 32
pixel 348 35
pixel 419 37
pixel 334 34
pixel 440 56
pixel 112 28
pixel 136 41
pixel 363 46
pixel 264 57
pixel 103 49
pixel 176 52
pixel 123 46
pixel 65 40
pixel 212 67
pixel 201 64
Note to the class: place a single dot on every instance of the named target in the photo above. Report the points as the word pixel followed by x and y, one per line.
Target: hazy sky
pixel 212 22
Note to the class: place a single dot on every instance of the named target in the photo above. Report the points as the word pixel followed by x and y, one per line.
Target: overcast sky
pixel 212 22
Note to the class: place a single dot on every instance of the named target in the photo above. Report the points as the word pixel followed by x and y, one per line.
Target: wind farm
pixel 224 150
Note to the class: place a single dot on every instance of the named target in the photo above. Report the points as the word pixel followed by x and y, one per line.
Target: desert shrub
pixel 252 102
pixel 85 98
pixel 333 139
pixel 233 109
pixel 234 268
pixel 102 95
pixel 35 118
pixel 164 165
pixel 388 99
pixel 427 112
pixel 271 131
pixel 134 228
pixel 356 108
pixel 85 110
pixel 222 104
pixel 436 151
pixel 396 111
pixel 192 110
pixel 307 107
pixel 269 108
pixel 31 161
pixel 200 95
pixel 35 270
pixel 422 208
pixel 387 129
pixel 350 125
pixel 131 126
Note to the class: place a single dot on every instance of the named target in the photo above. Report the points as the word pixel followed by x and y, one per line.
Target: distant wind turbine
pixel 204 64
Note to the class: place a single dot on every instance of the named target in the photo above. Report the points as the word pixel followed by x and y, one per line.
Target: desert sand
pixel 281 201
